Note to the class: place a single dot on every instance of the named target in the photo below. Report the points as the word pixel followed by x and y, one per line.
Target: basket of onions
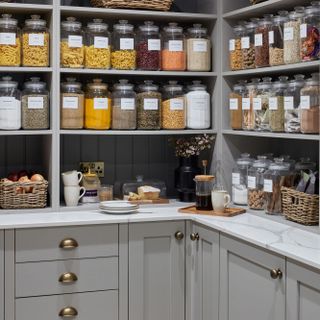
pixel 22 191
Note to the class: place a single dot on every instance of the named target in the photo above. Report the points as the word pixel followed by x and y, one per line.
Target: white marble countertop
pixel 282 238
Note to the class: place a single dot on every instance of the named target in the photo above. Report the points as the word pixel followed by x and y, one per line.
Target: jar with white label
pixel 291 36
pixel 247 45
pixel 10 43
pixel 240 179
pixel 310 105
pixel 35 43
pixel 124 54
pixel 198 106
pixel 124 110
pixel 235 104
pixel 10 104
pixel 292 108
pixel 71 44
pixel 235 52
pixel 35 105
pixel 198 49
pixel 72 105
pixel 149 101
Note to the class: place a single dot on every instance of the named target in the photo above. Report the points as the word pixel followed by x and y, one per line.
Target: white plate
pixel 118 205
pixel 118 212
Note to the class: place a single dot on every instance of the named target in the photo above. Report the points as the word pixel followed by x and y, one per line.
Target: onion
pixel 37 177
pixel 25 179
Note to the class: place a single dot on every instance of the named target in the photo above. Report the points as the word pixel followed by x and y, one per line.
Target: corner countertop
pixel 292 241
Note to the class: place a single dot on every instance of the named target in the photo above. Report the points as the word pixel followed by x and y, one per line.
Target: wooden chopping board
pixel 157 201
pixel 229 212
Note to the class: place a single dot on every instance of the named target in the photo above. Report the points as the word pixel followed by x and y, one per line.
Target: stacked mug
pixel 72 190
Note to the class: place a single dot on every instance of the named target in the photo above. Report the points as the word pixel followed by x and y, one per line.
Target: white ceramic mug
pixel 72 195
pixel 71 178
pixel 220 200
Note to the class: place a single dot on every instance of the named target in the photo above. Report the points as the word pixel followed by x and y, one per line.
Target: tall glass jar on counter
pixel 276 104
pixel 235 104
pixel 292 109
pixel 97 45
pixel 124 106
pixel 97 107
pixel 174 55
pixel 310 105
pixel 247 45
pixel 10 102
pixel 10 43
pixel 198 49
pixel 148 46
pixel 149 101
pixel 35 43
pixel 72 105
pixel 123 56
pixel 173 106
pixel 35 105
pixel 71 44
pixel 235 52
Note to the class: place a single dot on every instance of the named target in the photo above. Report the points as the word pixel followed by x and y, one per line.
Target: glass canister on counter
pixel 72 105
pixel 148 47
pixel 198 106
pixel 97 107
pixel 72 44
pixel 174 55
pixel 276 104
pixel 10 43
pixel 292 110
pixel 124 111
pixel 149 101
pixel 173 106
pixel 247 45
pixel 35 43
pixel 235 52
pixel 198 49
pixel 310 105
pixel 248 122
pixel 123 56
pixel 35 105
pixel 10 102
pixel 97 45
pixel 235 105
pixel 204 186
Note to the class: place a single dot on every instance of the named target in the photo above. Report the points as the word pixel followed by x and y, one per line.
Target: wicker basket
pixel 17 195
pixel 300 207
pixel 162 5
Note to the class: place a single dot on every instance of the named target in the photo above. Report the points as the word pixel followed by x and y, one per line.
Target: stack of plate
pixel 118 207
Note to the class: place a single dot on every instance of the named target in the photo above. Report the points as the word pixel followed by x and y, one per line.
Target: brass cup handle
pixel 68 278
pixel 68 312
pixel 68 244
pixel 179 235
pixel 276 274
pixel 194 236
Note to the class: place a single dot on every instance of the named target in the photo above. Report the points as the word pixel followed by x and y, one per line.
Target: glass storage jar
pixel 124 111
pixel 97 45
pixel 247 45
pixel 35 43
pixel 235 104
pixel 10 43
pixel 276 56
pixel 97 106
pixel 198 106
pixel 261 105
pixel 240 179
pixel 291 36
pixel 35 105
pixel 310 105
pixel 123 56
pixel 235 52
pixel 149 101
pixel 305 165
pixel 250 93
pixel 276 104
pixel 173 53
pixel 198 49
pixel 71 44
pixel 292 110
pixel 10 104
pixel 148 47
pixel 173 106
pixel 72 104
pixel 310 33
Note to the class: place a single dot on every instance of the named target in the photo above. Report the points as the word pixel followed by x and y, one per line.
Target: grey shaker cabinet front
pixel 247 289
pixel 303 292
pixel 157 271
pixel 1 275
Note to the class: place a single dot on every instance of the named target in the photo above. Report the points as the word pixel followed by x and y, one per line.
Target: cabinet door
pixel 248 287
pixel 1 275
pixel 156 271
pixel 303 293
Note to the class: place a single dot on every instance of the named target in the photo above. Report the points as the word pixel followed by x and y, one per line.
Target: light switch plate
pixel 95 167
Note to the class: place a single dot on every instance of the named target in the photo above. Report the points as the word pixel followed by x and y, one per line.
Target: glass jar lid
pixel 253 84
pixel 239 29
pixel 7 83
pixel 197 29
pixel 173 86
pixel 265 84
pixel 279 165
pixel 282 83
pixel 148 85
pixel 262 162
pixel 71 84
pixel 123 85
pixel 35 84
pixel 35 21
pixel 71 23
pixel 97 25
pixel 266 21
pixel 241 85
pixel 149 26
pixel 298 12
pixel 7 20
pixel 314 80
pixel 305 164
pixel 173 28
pixel 250 25
pixel 97 84
pixel 282 17
pixel 244 160
pixel 123 26
pixel 298 81
pixel 197 86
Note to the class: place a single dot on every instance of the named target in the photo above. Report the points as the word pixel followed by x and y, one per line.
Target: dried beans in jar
pixel 247 45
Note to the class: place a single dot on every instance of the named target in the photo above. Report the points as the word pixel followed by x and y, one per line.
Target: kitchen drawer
pixel 89 306
pixel 66 243
pixel 44 278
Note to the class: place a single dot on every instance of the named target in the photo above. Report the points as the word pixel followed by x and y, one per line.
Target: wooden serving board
pixel 229 212
pixel 157 201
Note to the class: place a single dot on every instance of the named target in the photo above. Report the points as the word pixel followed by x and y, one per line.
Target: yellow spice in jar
pixel 171 118
pixel 124 59
pixel 10 55
pixel 96 58
pixel 95 117
pixel 71 57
